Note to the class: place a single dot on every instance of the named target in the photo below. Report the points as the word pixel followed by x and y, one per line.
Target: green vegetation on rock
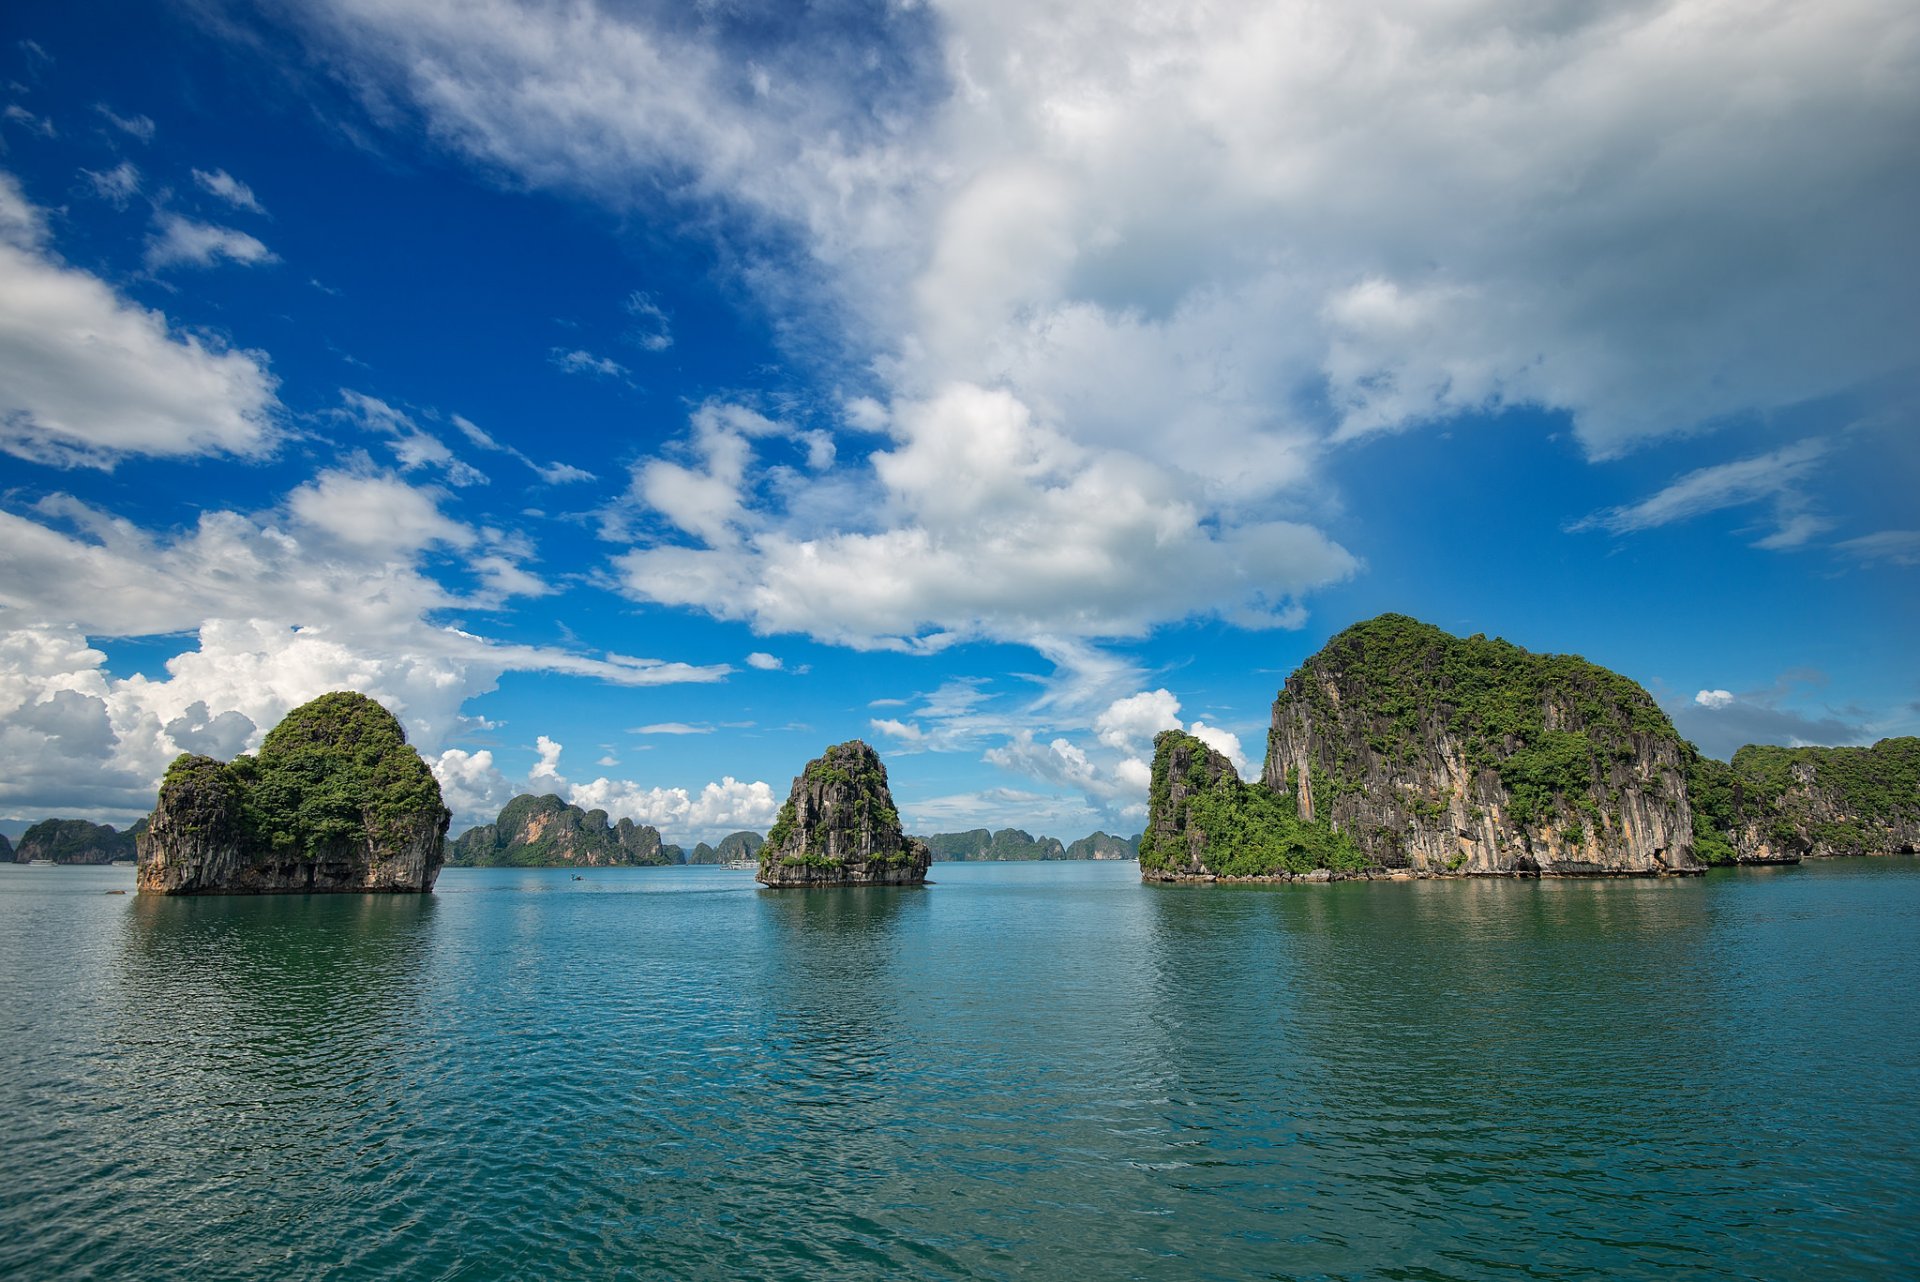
pixel 336 767
pixel 1249 830
pixel 1493 698
pixel 76 841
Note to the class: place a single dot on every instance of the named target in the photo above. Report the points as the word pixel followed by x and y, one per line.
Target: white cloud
pixel 87 377
pixel 140 127
pixel 1714 698
pixel 1776 475
pixel 228 188
pixel 717 809
pixel 413 446
pixel 326 593
pixel 181 241
pixel 1224 742
pixel 471 785
pixel 765 662
pixel 551 473
pixel 1794 532
pixel 1894 547
pixel 671 727
pixel 547 769
pixel 993 526
pixel 653 329
pixel 19 115
pixel 377 514
pixel 583 362
pixel 1124 276
pixel 1136 719
pixel 116 185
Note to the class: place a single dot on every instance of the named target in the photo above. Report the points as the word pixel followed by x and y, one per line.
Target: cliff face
pixel 1440 755
pixel 6 849
pixel 540 832
pixel 734 846
pixel 1823 803
pixel 839 827
pixel 335 802
pixel 1173 845
pixel 75 841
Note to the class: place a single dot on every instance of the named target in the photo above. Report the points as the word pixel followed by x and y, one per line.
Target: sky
pixel 638 397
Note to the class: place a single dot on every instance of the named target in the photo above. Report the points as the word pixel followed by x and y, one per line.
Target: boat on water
pixel 742 865
pixel 41 863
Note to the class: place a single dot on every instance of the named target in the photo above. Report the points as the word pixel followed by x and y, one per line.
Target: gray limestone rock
pixel 839 828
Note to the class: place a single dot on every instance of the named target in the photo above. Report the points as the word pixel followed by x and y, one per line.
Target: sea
pixel 1045 1071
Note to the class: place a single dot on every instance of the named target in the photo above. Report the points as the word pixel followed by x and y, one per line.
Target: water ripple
pixel 1043 1071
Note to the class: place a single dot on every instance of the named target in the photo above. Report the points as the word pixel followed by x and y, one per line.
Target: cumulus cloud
pixel 182 242
pixel 1714 698
pixel 1224 742
pixel 472 786
pixel 324 592
pixel 87 377
pixel 765 662
pixel 228 188
pixel 1211 235
pixel 1127 723
pixel 988 525
pixel 716 809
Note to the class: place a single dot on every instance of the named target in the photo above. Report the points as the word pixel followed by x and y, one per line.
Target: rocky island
pixel 839 828
pixel 1399 750
pixel 1776 805
pixel 546 832
pixel 335 801
pixel 735 847
pixel 76 841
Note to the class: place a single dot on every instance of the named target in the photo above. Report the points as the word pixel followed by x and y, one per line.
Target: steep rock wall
pixel 1440 755
pixel 839 828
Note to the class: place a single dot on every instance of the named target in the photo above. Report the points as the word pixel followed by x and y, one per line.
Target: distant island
pixel 1399 750
pixel 1015 844
pixel 546 832
pixel 335 800
pixel 839 827
pixel 73 841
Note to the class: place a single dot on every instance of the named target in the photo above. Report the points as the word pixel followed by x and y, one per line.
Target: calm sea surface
pixel 1038 1071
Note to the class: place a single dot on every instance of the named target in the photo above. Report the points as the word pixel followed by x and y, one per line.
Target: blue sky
pixel 639 397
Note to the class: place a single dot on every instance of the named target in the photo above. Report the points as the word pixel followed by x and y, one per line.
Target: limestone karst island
pixel 839 827
pixel 1396 752
pixel 336 800
pixel 1401 751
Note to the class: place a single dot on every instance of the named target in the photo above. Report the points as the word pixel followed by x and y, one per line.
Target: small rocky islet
pixel 1397 751
pixel 839 827
pixel 336 800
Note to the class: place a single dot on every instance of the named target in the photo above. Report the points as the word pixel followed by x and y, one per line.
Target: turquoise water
pixel 1042 1070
